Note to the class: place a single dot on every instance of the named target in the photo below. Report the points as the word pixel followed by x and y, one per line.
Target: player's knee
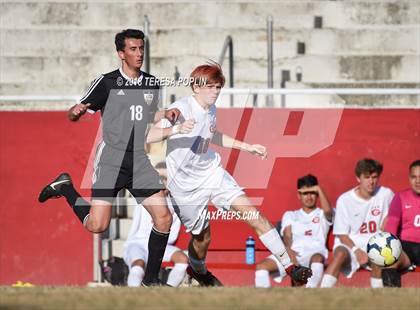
pixel 317 258
pixel 260 266
pixel 138 262
pixel 97 226
pixel 180 258
pixel 163 222
pixel 340 254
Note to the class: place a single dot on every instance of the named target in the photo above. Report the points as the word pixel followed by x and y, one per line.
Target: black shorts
pixel 115 170
pixel 413 251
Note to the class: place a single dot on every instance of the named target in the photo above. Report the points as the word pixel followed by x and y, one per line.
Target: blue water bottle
pixel 250 250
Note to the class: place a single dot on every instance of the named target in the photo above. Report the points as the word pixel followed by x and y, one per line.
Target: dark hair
pixel 415 163
pixel 127 34
pixel 161 165
pixel 307 181
pixel 368 166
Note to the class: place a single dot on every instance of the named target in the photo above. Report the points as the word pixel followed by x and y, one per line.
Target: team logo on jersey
pixel 315 219
pixel 375 211
pixel 120 81
pixel 308 232
pixel 148 97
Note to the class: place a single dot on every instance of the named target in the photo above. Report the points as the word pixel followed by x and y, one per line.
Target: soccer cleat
pixel 299 274
pixel 391 277
pixel 206 279
pixel 52 190
pixel 154 283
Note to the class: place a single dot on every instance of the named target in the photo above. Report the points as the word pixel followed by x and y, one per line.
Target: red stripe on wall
pixel 293 123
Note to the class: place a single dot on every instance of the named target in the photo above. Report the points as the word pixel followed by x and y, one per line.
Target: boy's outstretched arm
pixel 226 141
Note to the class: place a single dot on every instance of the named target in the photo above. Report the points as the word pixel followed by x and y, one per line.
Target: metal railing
pixel 228 45
pixel 146 44
pixel 23 103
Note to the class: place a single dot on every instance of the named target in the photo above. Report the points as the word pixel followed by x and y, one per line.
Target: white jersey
pixel 359 218
pixel 309 230
pixel 142 226
pixel 190 163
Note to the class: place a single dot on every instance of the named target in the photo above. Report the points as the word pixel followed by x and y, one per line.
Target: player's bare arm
pixel 323 201
pixel 76 111
pixel 361 255
pixel 157 134
pixel 226 141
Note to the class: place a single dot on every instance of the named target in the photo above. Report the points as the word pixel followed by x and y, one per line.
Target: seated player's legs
pixel 412 249
pixel 178 256
pixel 180 260
pixel 135 256
pixel 391 276
pixel 346 261
pixel 316 263
pixel 266 267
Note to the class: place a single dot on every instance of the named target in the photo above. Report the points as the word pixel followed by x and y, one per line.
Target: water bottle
pixel 250 250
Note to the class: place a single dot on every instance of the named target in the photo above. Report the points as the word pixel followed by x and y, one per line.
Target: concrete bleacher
pixel 63 45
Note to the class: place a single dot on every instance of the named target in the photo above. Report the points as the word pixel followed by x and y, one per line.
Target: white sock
pixel 198 265
pixel 376 282
pixel 272 241
pixel 135 276
pixel 262 278
pixel 177 274
pixel 328 280
pixel 317 271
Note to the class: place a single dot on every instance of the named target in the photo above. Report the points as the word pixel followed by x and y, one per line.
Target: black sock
pixel 80 206
pixel 157 245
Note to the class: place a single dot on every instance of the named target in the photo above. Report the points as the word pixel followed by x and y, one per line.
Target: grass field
pixel 207 298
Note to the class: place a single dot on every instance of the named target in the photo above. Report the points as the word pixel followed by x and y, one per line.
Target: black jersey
pixel 127 107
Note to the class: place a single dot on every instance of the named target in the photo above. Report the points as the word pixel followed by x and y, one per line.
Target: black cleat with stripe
pixel 52 190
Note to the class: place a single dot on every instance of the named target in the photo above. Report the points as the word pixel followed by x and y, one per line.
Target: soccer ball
pixel 383 249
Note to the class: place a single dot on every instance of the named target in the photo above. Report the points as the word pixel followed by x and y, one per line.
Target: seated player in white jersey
pixel 360 213
pixel 136 250
pixel 304 233
pixel 196 176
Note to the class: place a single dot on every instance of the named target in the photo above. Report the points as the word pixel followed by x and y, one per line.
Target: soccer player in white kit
pixel 304 233
pixel 360 213
pixel 135 252
pixel 196 176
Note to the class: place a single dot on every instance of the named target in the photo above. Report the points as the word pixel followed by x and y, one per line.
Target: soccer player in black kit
pixel 128 101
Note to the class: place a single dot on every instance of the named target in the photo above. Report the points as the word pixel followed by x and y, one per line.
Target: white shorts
pixel 191 207
pixel 303 260
pixel 134 251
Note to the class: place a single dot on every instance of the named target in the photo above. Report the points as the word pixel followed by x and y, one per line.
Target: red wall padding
pixel 46 244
